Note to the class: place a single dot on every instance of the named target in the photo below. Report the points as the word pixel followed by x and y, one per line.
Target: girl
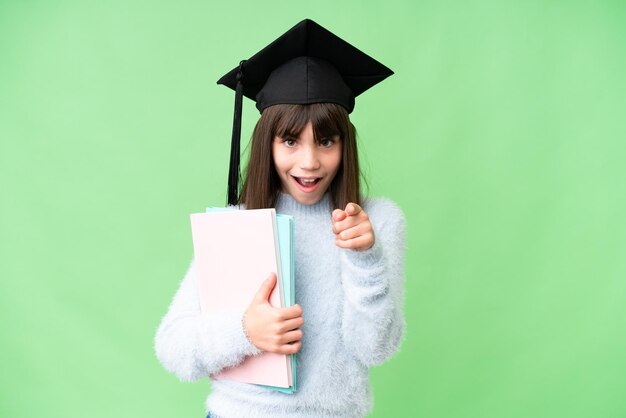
pixel 349 250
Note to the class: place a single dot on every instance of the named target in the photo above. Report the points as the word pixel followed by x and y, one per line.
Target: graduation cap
pixel 307 64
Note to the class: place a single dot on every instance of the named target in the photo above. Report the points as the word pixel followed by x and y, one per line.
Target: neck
pixel 288 205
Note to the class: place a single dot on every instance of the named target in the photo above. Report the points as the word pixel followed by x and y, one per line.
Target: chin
pixel 307 198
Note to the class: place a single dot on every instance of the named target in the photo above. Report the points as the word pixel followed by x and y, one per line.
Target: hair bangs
pixel 327 119
pixel 290 120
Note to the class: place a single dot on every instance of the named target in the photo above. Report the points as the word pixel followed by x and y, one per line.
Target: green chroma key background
pixel 501 135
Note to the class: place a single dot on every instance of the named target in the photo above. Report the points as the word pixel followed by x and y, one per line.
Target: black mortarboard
pixel 307 64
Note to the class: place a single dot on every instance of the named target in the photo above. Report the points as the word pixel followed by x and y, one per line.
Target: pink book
pixel 235 251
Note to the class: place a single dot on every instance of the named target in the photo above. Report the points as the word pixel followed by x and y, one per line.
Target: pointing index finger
pixel 353 209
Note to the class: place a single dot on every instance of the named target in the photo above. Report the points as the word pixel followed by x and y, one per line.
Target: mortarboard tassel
pixel 233 173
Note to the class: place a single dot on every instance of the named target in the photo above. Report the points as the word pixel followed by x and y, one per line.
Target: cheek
pixel 278 159
pixel 335 161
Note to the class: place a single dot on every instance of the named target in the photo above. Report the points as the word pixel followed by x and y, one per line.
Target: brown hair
pixel 261 186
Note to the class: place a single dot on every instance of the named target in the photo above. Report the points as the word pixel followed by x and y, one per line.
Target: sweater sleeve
pixel 373 282
pixel 193 345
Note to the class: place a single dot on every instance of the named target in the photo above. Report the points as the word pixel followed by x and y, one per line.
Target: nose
pixel 309 160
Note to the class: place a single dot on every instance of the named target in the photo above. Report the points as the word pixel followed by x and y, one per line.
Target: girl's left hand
pixel 352 228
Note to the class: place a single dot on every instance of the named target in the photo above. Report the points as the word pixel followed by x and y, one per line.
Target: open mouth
pixel 307 185
pixel 307 182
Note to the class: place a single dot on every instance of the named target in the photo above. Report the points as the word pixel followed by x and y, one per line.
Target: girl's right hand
pixel 272 329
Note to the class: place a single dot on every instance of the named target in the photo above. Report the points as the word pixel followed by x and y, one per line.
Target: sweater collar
pixel 286 204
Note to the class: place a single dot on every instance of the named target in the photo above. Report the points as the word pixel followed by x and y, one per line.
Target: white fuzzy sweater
pixel 353 319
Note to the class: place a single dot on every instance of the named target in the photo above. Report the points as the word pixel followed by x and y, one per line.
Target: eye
pixel 289 142
pixel 326 142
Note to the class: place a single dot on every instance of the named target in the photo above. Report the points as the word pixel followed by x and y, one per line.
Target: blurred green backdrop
pixel 501 135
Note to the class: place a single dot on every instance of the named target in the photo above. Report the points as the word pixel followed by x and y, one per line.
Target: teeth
pixel 307 181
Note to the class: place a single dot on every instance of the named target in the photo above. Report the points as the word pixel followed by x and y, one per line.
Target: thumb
pixel 263 294
pixel 338 215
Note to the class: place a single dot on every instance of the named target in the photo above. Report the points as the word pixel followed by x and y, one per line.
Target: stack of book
pixel 235 251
